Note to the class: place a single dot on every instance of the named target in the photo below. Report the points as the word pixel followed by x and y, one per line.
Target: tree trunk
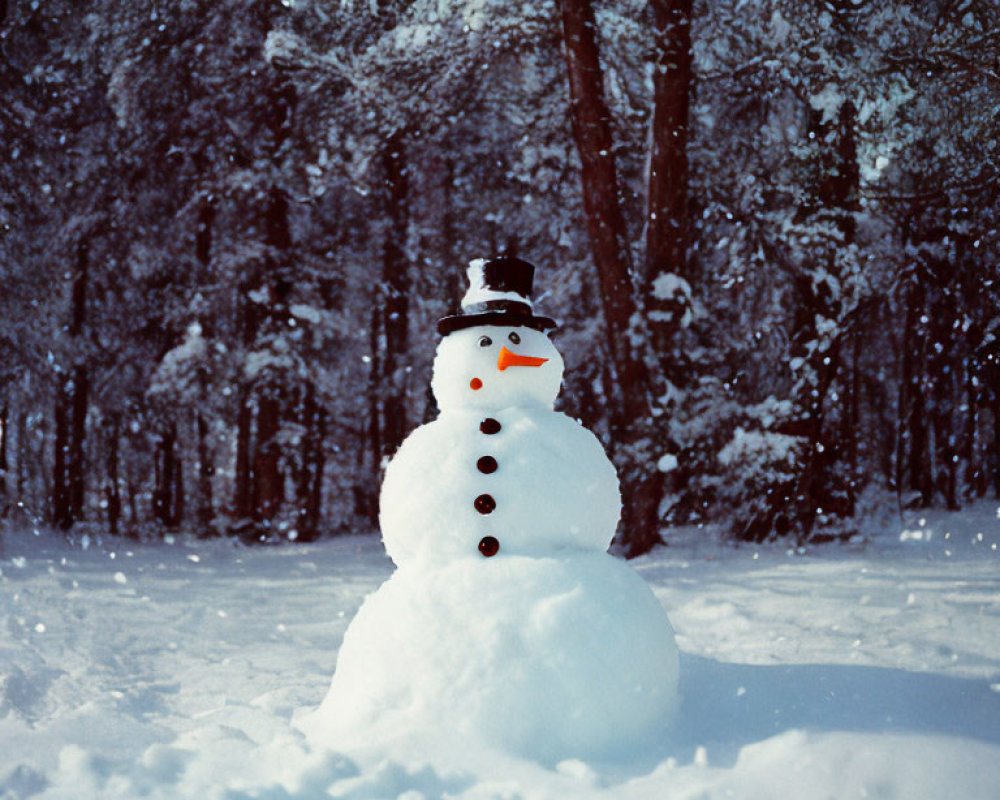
pixel 942 389
pixel 71 410
pixel 206 470
pixel 62 515
pixel 4 467
pixel 975 478
pixel 996 445
pixel 70 461
pixel 164 494
pixel 268 482
pixel 917 453
pixel 22 453
pixel 920 478
pixel 315 506
pixel 642 484
pixel 605 222
pixel 249 322
pixel 178 494
pixel 159 495
pixel 396 287
pixel 242 497
pixel 834 197
pixel 667 224
pixel 60 492
pixel 309 483
pixel 76 462
pixel 305 417
pixel 203 235
pixel 112 493
pixel 259 485
pixel 450 239
pixel 369 455
pixel 852 420
pixel 832 201
pixel 970 435
pixel 133 504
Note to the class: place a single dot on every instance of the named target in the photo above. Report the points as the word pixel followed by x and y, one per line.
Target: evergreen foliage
pixel 227 229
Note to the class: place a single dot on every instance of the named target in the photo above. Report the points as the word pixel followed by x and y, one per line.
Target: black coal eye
pixel 485 341
pixel 514 338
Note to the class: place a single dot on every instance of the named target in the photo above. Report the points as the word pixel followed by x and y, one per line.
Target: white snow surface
pixel 175 671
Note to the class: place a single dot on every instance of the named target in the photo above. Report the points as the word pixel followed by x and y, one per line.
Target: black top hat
pixel 499 294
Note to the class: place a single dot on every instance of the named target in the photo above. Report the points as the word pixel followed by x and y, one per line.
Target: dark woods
pixel 227 229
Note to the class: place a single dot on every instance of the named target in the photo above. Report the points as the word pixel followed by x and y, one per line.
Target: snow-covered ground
pixel 175 671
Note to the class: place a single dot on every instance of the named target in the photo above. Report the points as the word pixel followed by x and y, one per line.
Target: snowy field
pixel 176 671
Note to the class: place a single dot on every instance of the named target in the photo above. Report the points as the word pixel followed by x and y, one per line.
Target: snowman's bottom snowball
pixel 549 658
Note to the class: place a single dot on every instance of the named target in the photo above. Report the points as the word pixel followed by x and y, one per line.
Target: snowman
pixel 506 623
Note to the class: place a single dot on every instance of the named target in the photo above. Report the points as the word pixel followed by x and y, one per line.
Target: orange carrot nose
pixel 509 359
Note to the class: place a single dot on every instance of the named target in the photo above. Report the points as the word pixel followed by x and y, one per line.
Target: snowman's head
pixel 495 353
pixel 496 366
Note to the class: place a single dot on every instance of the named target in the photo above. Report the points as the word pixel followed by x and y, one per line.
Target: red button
pixel 485 504
pixel 487 464
pixel 489 546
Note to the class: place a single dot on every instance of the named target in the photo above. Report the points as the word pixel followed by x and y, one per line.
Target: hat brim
pixel 459 322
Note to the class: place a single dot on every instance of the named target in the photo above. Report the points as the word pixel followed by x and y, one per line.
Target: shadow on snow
pixel 726 706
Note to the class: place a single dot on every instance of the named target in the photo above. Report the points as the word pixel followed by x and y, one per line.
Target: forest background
pixel 228 227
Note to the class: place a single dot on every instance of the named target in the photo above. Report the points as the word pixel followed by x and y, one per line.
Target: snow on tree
pixel 806 248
